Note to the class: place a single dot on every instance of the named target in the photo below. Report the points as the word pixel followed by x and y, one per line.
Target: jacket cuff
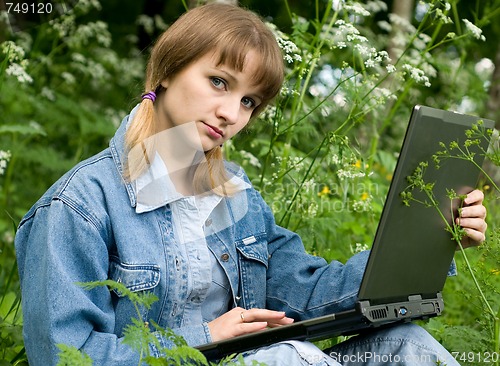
pixel 452 271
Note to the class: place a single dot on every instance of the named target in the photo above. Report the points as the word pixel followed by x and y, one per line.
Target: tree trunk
pixel 493 112
pixel 403 9
pixel 493 103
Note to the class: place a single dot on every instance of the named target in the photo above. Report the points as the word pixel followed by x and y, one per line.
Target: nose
pixel 229 109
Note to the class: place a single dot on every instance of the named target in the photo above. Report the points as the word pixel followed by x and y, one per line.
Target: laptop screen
pixel 412 251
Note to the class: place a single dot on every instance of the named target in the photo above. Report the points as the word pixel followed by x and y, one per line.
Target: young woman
pixel 160 211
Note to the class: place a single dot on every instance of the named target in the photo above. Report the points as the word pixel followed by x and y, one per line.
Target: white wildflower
pixel 146 22
pixel 269 113
pixel 115 116
pixel 340 100
pixel 4 159
pixel 443 17
pixel 390 68
pixel 475 30
pixel 356 38
pixel 385 55
pixel 337 4
pixel 291 50
pixel 429 70
pixel 363 50
pixel 362 205
pixel 48 93
pixel 357 9
pixel 345 28
pixel 102 34
pixel 401 23
pixel 63 25
pixel 19 72
pixel 252 159
pixel 68 77
pixel 484 67
pixel 369 63
pixel 312 209
pixel 12 51
pixel 335 159
pixel 93 30
pixel 4 16
pixel 309 185
pixel 37 127
pixel 384 93
pixel 384 25
pixel 160 23
pixel 78 57
pixel 417 74
pixel 8 237
pixel 86 5
pixel 349 174
pixel 376 6
pixel 359 247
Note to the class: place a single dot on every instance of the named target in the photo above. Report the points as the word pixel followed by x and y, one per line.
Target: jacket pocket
pixel 253 262
pixel 135 277
pixel 254 248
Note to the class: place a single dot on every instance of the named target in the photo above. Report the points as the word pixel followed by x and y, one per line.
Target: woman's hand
pixel 240 321
pixel 472 219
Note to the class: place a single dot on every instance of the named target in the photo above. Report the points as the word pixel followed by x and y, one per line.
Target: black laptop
pixel 411 252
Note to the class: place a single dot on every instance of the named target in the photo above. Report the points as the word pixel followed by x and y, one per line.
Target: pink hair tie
pixel 150 95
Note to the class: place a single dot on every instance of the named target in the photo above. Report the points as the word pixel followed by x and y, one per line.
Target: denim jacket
pixel 85 228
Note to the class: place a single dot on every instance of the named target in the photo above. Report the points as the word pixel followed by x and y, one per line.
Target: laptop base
pixel 350 322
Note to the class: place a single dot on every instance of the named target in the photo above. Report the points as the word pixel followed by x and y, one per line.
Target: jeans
pixel 406 344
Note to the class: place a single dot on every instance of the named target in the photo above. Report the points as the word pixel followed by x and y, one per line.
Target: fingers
pixel 239 321
pixel 474 238
pixel 264 315
pixel 474 197
pixel 472 219
pixel 473 211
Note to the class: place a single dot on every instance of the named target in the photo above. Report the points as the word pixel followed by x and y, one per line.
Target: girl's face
pixel 217 98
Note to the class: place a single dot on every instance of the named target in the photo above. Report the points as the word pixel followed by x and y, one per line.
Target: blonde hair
pixel 231 32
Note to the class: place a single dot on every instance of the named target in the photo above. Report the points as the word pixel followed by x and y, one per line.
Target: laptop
pixel 411 252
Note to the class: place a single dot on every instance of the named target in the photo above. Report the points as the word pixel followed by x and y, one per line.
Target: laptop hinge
pixel 414 308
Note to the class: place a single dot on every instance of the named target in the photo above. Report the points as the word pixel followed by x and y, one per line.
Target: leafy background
pixel 322 156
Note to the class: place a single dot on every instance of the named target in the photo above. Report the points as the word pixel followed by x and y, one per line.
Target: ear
pixel 164 83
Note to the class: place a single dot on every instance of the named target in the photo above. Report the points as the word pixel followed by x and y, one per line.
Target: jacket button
pixel 224 257
pixel 208 222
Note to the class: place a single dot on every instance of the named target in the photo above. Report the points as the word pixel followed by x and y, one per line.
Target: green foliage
pixel 70 356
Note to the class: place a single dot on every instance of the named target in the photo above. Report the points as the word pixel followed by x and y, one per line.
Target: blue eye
pixel 248 103
pixel 218 82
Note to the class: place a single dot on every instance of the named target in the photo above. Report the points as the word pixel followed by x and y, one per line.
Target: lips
pixel 214 131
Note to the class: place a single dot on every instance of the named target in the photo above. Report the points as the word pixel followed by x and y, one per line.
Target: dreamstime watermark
pixel 20 15
pixel 332 188
pixel 375 357
pixel 333 197
pixel 334 206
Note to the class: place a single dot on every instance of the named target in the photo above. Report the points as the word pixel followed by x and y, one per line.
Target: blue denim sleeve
pixel 57 247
